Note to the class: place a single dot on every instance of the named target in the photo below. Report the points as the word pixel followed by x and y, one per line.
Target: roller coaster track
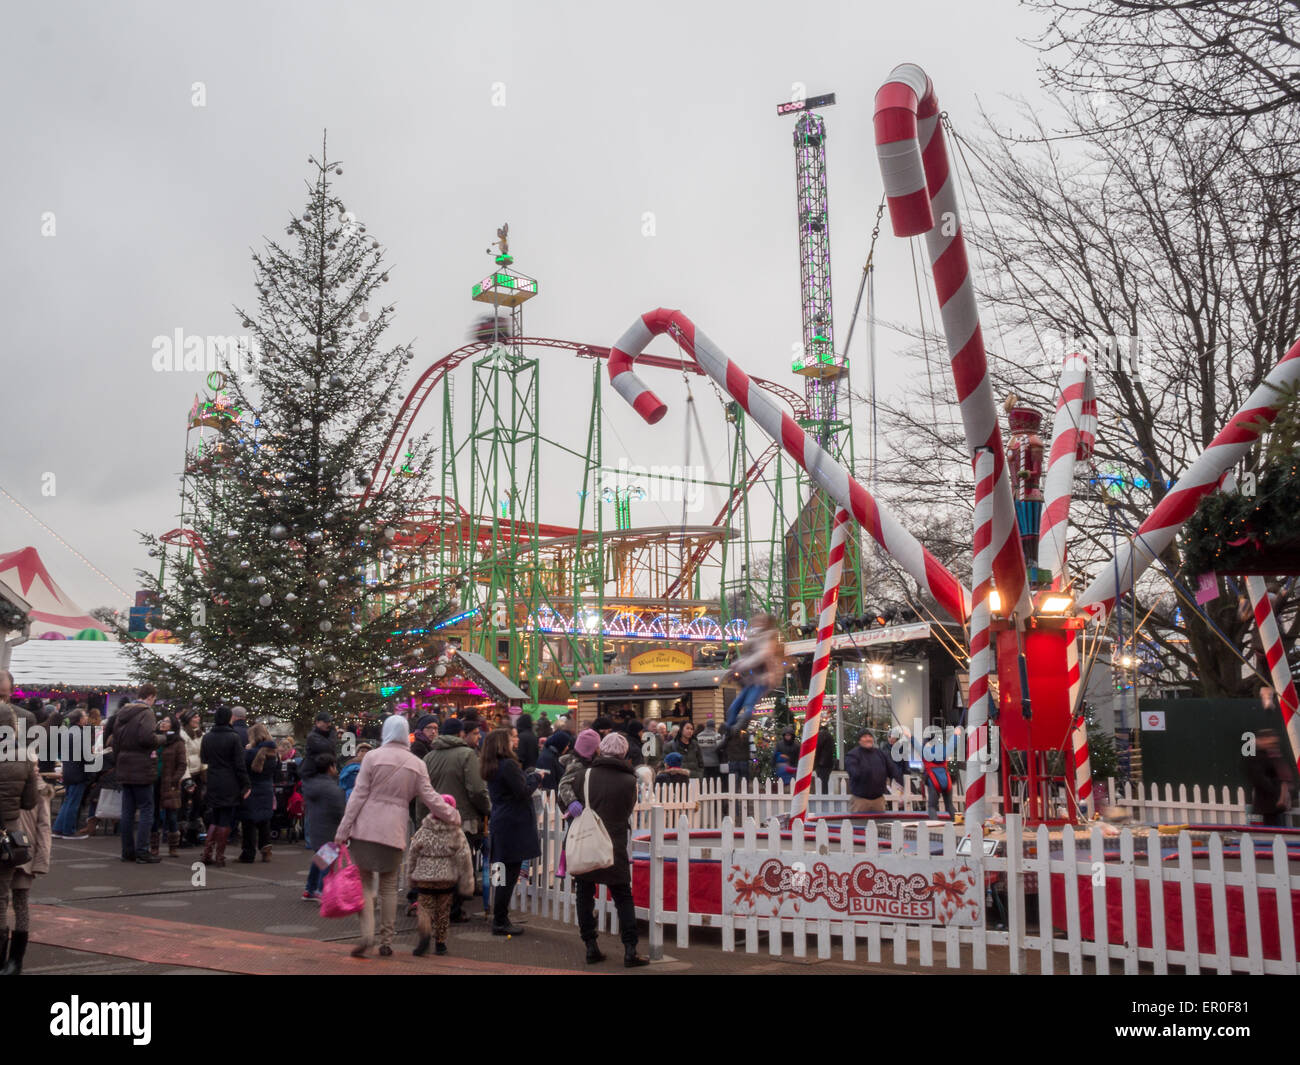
pixel 434 375
pixel 436 372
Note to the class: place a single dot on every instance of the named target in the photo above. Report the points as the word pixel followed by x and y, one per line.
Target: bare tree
pixel 1156 59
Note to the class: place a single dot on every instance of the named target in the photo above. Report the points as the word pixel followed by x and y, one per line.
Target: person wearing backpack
pixel 938 781
pixel 609 791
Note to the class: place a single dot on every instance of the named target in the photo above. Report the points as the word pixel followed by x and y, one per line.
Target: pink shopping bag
pixel 342 895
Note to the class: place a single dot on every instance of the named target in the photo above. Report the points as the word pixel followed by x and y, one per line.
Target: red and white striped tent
pixel 52 609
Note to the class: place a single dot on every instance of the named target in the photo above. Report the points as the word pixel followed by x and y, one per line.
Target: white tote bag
pixel 109 806
pixel 588 847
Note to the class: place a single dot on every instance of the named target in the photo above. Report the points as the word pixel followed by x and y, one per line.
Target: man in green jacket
pixel 453 767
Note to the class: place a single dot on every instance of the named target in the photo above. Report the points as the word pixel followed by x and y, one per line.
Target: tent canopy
pixel 52 609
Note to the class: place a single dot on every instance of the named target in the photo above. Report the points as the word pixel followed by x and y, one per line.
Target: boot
pixel 4 946
pixel 593 952
pixel 422 947
pixel 506 929
pixel 630 959
pixel 155 841
pixel 209 845
pixel 219 851
pixel 17 948
pixel 173 844
pixel 89 828
pixel 266 853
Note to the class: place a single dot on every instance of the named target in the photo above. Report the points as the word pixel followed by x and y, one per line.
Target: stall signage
pixel 940 891
pixel 661 661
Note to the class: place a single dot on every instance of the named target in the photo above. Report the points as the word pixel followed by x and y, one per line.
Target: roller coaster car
pixel 487 327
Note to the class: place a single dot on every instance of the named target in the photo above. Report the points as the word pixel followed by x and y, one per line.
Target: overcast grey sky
pixel 611 110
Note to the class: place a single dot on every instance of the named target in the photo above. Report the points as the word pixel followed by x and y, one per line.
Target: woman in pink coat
pixel 375 826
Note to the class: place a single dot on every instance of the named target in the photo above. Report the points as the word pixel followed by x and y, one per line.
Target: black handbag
pixel 15 848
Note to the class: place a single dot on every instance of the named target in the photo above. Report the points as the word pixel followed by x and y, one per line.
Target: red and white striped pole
pixel 1279 669
pixel 820 668
pixel 929 573
pixel 1073 434
pixel 922 196
pixel 1202 477
pixel 981 649
pixel 1082 768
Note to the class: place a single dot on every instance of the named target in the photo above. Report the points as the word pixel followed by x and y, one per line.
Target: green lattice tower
pixel 503 447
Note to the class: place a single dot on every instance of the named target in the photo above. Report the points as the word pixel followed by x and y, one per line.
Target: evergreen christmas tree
pixel 300 602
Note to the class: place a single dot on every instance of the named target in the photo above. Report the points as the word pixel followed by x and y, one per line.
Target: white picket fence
pixel 1176 806
pixel 1070 877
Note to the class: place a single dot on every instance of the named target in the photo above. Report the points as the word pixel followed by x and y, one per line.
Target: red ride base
pixel 1035 757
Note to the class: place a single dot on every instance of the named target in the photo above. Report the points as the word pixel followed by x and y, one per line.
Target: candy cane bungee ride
pixel 821 666
pixel 933 577
pixel 923 200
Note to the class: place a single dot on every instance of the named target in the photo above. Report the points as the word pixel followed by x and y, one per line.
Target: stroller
pixel 286 821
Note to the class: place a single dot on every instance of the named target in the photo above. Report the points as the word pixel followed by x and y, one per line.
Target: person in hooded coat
pixel 609 785
pixel 375 824
pixel 228 784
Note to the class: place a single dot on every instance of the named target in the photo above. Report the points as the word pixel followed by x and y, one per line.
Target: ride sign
pixel 943 891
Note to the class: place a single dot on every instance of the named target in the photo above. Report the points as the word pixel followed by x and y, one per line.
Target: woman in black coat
pixel 512 835
pixel 610 785
pixel 227 784
pixel 255 811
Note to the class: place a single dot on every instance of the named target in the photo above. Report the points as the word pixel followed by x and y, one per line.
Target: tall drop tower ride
pixel 825 372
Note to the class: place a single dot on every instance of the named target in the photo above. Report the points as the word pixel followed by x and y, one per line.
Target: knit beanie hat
pixel 673 759
pixel 614 745
pixel 425 722
pixel 397 730
pixel 587 743
pixel 452 727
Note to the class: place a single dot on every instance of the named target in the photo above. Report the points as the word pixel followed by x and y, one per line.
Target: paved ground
pixel 96 915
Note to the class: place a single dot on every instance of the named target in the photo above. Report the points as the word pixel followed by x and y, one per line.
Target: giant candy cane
pixel 821 666
pixel 923 199
pixel 1270 635
pixel 933 577
pixel 1073 433
pixel 981 650
pixel 1225 450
